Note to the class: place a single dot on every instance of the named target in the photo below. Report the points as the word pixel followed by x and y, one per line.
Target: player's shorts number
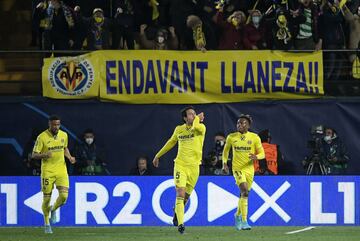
pixel 45 181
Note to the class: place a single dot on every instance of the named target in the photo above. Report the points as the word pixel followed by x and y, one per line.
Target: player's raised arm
pixel 197 125
pixel 167 147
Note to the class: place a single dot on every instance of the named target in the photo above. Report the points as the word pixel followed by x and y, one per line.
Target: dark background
pixel 125 132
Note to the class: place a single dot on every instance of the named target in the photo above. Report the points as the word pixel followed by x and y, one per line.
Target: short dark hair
pixel 88 130
pixel 264 135
pixel 141 157
pixel 183 111
pixel 246 116
pixel 54 117
pixel 219 133
pixel 330 128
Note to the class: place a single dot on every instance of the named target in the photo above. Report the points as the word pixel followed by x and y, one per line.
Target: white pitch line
pixel 301 230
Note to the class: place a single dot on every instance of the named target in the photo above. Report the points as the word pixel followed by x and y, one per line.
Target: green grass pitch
pixel 321 233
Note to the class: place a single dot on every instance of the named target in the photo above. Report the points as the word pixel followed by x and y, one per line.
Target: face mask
pixel 235 22
pixel 89 141
pixel 327 138
pixel 161 39
pixel 98 19
pixel 256 20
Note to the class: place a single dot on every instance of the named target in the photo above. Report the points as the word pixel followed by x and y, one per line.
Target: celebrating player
pixel 246 148
pixel 190 137
pixel 51 147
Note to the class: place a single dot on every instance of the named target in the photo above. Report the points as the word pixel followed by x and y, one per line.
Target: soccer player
pixel 246 148
pixel 51 147
pixel 190 138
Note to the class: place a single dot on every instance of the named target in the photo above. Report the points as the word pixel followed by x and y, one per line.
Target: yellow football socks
pixel 179 209
pixel 244 208
pixel 46 208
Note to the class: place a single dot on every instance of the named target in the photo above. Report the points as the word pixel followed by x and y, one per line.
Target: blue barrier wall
pixel 282 200
pixel 126 131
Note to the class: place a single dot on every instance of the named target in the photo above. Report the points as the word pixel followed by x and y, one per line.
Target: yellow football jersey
pixel 190 140
pixel 46 142
pixel 243 145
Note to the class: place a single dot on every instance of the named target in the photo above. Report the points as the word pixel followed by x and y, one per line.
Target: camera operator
pixel 316 163
pixel 334 152
pixel 213 161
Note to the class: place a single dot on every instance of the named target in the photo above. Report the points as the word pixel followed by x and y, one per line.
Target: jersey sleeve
pixel 66 141
pixel 199 127
pixel 169 144
pixel 226 150
pixel 259 150
pixel 38 145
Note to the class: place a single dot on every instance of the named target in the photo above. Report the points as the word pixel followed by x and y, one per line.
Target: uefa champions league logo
pixel 71 76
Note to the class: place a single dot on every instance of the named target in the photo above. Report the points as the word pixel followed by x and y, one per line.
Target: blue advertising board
pixel 148 201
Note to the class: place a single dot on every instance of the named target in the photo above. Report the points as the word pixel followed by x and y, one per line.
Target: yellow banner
pixel 71 77
pixel 177 77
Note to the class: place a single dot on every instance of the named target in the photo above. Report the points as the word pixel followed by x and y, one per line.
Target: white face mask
pixel 89 141
pixel 327 138
pixel 161 39
pixel 256 20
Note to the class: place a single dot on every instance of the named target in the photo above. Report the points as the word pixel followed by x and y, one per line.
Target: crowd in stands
pixel 205 25
pixel 196 24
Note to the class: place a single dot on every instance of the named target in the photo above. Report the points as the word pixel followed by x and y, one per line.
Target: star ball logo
pixel 71 76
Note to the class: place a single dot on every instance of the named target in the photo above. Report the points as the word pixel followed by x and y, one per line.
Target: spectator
pixel 88 156
pixel 273 156
pixel 354 23
pixel 282 38
pixel 334 152
pixel 213 161
pixel 141 168
pixel 203 36
pixel 232 35
pixel 162 40
pixel 306 27
pixel 98 30
pixel 37 23
pixel 124 24
pixel 254 32
pixel 332 33
pixel 58 27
